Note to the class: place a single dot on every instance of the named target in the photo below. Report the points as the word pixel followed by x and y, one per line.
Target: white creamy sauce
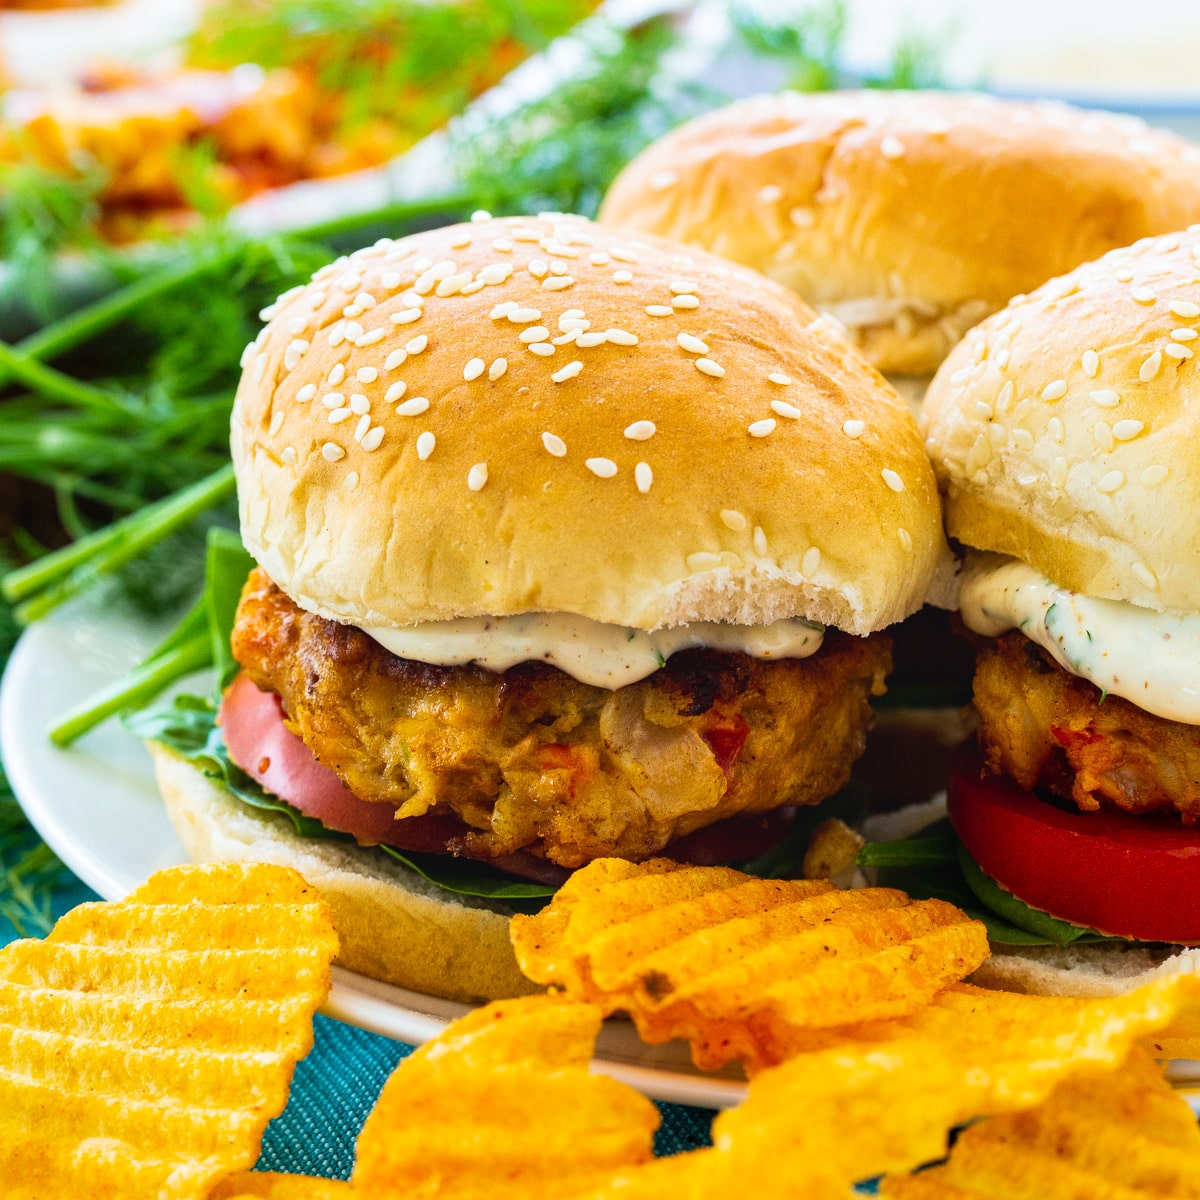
pixel 1149 658
pixel 607 656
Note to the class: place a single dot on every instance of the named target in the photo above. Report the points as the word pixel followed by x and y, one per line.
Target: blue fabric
pixel 336 1086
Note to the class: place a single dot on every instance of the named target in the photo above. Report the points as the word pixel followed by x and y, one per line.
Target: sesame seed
pixel 622 255
pixel 599 259
pixel 761 429
pixel 770 194
pixel 413 407
pixel 502 245
pixel 658 310
pixel 643 476
pixel 811 561
pixel 366 374
pixel 693 345
pixel 622 277
pixel 640 431
pixel 1176 351
pixel 1183 335
pixel 1150 367
pixel 351 481
pixel 496 273
pixel 333 400
pixel 733 519
pixel 369 339
pixel 332 452
pixel 1104 435
pixel 289 455
pixel 1153 476
pixel 574 314
pixel 782 380
pixel 524 316
pixel 1005 398
pixel 605 468
pixel 707 367
pixel 568 372
pixel 892 479
pixel 782 408
pixel 566 339
pixel 1124 275
pixel 544 349
pixel 389 281
pixel 260 368
pixel 802 217
pixel 554 444
pixel 338 415
pixel 1058 472
pixel 759 540
pixel 395 392
pixel 1055 391
pixel 246 353
pixel 477 476
pixel 1125 431
pixel 502 310
pixel 587 340
pixel 417 344
pixel 998 433
pixel 337 335
pixel 480 215
pixel 306 393
pixel 1110 482
pixel 621 337
pixel 1144 575
pixel 1056 429
pixel 297 325
pixel 276 424
pixel 359 403
pixel 337 374
pixel 474 369
pixel 1090 363
pixel 537 268
pixel 682 287
pixel 364 423
pixel 425 445
pixel 905 538
pixel 685 302
pixel 498 367
pixel 412 300
pixel 703 560
pixel 891 147
pixel 557 283
pixel 364 300
pixel 350 283
pixel 1185 308
pixel 1144 295
pixel 453 284
pixel 1105 397
pixel 853 429
pixel 372 439
pixel 526 235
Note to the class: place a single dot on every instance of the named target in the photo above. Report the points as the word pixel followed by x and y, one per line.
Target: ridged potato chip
pixel 742 967
pixel 503 1103
pixel 262 1185
pixel 1123 1136
pixel 144 1045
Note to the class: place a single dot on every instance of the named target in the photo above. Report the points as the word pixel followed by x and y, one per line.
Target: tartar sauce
pixel 1149 658
pixel 607 656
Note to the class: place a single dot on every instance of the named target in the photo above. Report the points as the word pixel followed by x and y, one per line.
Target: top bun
pixel 909 215
pixel 1066 433
pixel 706 449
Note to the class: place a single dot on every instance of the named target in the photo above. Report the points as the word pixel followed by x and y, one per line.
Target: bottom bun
pixel 393 925
pixel 1096 969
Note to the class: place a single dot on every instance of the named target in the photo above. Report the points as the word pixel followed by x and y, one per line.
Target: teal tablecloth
pixel 336 1085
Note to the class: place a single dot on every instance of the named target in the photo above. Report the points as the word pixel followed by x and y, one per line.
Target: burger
pixel 567 546
pixel 1066 437
pixel 909 216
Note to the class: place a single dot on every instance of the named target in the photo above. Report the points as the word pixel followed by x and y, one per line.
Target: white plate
pixel 97 806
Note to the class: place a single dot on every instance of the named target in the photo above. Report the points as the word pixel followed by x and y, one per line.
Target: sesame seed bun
pixel 1064 430
pixel 706 449
pixel 909 215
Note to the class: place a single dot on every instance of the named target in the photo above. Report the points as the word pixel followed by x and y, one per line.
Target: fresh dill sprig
pixel 808 45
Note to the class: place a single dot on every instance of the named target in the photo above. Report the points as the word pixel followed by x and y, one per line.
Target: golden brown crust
pixel 1047 728
pixel 912 215
pixel 531 759
pixel 1064 429
pixel 339 506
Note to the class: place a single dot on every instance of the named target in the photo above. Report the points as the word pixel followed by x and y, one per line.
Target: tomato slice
pixel 1130 876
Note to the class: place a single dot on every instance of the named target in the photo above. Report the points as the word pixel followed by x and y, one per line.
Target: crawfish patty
pixel 531 759
pixel 1048 728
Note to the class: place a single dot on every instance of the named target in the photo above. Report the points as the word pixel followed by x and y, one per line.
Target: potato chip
pixel 503 1103
pixel 262 1185
pixel 742 967
pixel 144 1045
pixel 1122 1136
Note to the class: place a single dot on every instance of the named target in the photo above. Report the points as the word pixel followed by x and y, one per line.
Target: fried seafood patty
pixel 1048 728
pixel 531 759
